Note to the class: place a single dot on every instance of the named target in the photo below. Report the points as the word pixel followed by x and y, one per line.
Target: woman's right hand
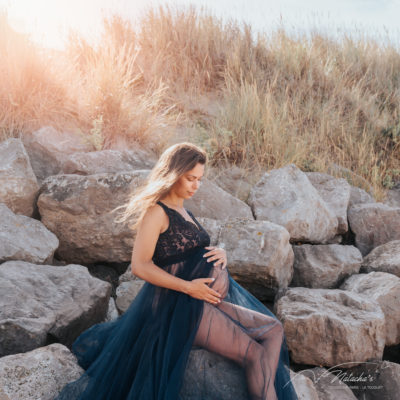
pixel 199 289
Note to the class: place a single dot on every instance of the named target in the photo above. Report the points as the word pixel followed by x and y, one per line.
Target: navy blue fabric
pixel 142 355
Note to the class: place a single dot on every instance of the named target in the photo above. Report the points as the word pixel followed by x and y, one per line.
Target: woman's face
pixel 187 185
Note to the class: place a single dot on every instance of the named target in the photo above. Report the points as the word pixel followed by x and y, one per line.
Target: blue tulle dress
pixel 142 355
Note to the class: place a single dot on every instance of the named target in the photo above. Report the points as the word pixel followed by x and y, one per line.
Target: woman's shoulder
pixel 154 214
pixel 154 221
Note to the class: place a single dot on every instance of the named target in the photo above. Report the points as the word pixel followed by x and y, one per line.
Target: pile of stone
pixel 321 251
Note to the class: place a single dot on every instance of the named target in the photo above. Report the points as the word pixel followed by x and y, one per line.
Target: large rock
pixel 126 293
pixel 210 376
pixel 211 201
pixel 110 161
pixel 24 238
pixel 350 176
pixel 79 210
pixel 233 180
pixel 49 148
pixel 41 304
pixel 330 326
pixel 213 377
pixel 303 386
pixel 359 196
pixel 385 289
pixel 328 385
pixel 380 380
pixel 214 229
pixel 335 193
pixel 393 196
pixel 112 311
pixel 18 183
pixel 128 288
pixel 384 258
pixel 374 224
pixel 37 374
pixel 127 276
pixel 259 253
pixel 324 265
pixel 286 197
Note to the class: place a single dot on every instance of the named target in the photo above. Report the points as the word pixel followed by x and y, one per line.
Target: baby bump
pixel 221 283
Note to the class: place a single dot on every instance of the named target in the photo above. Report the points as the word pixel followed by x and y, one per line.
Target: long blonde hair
pixel 175 161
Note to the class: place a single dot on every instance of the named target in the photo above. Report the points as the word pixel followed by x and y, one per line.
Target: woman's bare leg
pixel 266 330
pixel 219 333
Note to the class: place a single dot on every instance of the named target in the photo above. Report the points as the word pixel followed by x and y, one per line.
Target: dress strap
pixel 190 213
pixel 194 218
pixel 174 213
pixel 163 206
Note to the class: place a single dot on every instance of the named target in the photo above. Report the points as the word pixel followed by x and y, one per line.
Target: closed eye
pixel 192 180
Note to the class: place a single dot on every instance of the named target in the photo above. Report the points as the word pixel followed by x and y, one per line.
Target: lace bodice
pixel 180 236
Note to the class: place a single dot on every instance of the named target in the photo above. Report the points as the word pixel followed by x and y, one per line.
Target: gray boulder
pixel 112 312
pixel 41 304
pixel 384 258
pixel 24 238
pixel 37 374
pixel 213 377
pixel 107 161
pixel 211 201
pixel 380 380
pixel 259 253
pixel 373 225
pixel 233 180
pixel 328 386
pixel 385 289
pixel 393 196
pixel 330 326
pixel 18 183
pixel 324 265
pixel 303 386
pixel 48 148
pixel 79 210
pixel 286 197
pixel 359 196
pixel 336 194
pixel 126 293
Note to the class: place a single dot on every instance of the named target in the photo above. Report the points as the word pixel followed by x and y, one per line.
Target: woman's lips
pixel 191 193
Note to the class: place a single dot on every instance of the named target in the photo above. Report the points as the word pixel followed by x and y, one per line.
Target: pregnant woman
pixel 189 299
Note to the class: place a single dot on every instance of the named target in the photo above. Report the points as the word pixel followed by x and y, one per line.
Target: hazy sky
pixel 48 21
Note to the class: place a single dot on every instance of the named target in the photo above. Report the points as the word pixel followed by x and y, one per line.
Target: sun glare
pixel 48 22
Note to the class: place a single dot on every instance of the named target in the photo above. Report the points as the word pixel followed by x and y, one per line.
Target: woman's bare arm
pixel 143 267
pixel 143 250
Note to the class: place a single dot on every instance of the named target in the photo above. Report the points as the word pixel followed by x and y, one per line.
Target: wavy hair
pixel 173 163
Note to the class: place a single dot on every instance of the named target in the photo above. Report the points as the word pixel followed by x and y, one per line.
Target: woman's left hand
pixel 218 253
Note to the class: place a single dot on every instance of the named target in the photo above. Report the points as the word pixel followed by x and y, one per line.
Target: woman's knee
pixel 279 330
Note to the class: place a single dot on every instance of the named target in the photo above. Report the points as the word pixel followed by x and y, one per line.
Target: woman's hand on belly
pixel 217 255
pixel 221 283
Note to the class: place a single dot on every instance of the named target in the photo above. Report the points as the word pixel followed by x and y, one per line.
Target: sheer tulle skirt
pixel 142 355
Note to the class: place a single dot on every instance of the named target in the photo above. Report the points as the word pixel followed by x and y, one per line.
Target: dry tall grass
pixel 31 93
pixel 95 92
pixel 314 102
